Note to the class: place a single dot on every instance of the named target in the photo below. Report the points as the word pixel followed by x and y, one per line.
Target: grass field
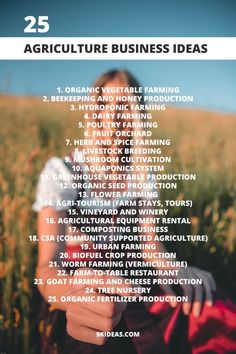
pixel 31 131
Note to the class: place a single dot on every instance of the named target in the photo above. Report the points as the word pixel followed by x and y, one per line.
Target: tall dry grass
pixel 31 131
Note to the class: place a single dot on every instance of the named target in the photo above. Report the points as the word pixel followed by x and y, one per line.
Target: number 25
pixel 42 25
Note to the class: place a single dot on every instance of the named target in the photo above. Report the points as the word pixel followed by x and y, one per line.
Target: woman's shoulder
pixel 54 163
pixel 54 185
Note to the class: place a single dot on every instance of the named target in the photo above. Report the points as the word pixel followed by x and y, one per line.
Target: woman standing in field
pixel 171 326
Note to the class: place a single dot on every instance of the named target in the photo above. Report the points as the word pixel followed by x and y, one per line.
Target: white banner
pixel 118 48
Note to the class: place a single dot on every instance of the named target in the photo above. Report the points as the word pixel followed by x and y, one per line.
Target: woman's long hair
pixel 127 80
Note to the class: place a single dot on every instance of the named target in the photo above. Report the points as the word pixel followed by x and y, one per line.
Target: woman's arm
pixel 50 251
pixel 197 294
pixel 85 318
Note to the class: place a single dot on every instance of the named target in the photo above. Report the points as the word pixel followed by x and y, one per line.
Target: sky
pixel 212 83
